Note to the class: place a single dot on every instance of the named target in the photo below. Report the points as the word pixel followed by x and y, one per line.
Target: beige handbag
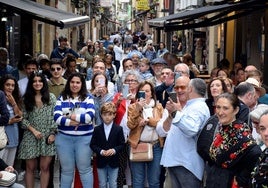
pixel 142 153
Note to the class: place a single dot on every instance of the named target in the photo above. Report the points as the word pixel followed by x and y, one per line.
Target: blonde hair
pixel 108 107
pixel 145 61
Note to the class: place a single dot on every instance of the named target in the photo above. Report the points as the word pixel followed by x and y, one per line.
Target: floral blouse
pixel 230 142
pixel 260 172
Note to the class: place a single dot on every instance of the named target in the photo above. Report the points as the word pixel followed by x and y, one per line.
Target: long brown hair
pixel 142 84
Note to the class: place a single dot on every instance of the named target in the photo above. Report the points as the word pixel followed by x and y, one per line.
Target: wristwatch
pixel 173 114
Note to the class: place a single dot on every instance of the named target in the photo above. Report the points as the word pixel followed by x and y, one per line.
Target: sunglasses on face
pixel 54 69
pixel 180 87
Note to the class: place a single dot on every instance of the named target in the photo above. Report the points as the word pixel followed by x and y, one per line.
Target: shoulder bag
pixel 142 153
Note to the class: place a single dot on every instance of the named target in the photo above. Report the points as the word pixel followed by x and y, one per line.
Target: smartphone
pixel 141 94
pixel 173 96
pixel 176 76
pixel 125 89
pixel 102 81
pixel 17 116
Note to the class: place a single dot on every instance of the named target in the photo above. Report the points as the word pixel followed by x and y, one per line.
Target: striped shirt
pixel 84 111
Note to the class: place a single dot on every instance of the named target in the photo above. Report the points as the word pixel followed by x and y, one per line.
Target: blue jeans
pixel 151 170
pixel 107 174
pixel 74 151
pixel 15 185
pixel 183 178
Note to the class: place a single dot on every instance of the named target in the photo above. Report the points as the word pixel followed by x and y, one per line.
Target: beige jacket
pixel 134 116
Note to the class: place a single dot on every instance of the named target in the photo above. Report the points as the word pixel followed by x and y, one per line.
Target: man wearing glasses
pixel 56 83
pixel 180 87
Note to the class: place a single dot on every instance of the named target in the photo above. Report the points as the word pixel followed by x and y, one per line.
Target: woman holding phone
pixel 143 116
pixel 100 93
pixel 122 100
pixel 9 85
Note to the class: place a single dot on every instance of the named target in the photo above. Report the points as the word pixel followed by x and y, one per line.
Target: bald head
pixel 249 69
pixel 181 88
pixel 183 69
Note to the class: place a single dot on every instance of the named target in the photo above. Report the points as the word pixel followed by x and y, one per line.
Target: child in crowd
pixel 107 142
pixel 144 68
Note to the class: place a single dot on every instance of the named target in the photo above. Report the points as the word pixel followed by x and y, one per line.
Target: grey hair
pixel 264 113
pixel 182 65
pixel 131 72
pixel 199 86
pixel 243 88
pixel 258 111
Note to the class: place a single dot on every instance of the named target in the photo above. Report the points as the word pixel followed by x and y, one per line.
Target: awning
pixel 44 13
pixel 202 17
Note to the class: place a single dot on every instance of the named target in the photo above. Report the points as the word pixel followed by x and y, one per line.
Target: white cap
pixel 256 85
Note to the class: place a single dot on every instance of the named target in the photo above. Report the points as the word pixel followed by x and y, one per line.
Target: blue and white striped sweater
pixel 84 111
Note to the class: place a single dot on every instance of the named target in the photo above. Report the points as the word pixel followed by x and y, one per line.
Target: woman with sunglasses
pixel 74 113
pixel 149 51
pixel 39 134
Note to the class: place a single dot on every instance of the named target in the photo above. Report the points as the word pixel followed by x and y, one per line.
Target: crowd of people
pixel 211 134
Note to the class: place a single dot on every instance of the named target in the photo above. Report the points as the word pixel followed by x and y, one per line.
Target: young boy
pixel 144 68
pixel 107 142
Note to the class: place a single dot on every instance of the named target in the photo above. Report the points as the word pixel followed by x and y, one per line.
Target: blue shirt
pixel 149 54
pixel 180 144
pixel 12 130
pixel 99 101
pixel 160 53
pixel 146 75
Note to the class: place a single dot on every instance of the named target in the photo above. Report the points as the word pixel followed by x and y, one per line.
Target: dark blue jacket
pixel 4 113
pixel 115 141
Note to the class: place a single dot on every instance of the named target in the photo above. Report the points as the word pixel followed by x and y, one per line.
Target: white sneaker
pixel 21 175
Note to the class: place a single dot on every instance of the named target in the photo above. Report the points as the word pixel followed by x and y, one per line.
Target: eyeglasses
pixel 180 87
pixel 131 81
pixel 165 73
pixel 181 72
pixel 54 69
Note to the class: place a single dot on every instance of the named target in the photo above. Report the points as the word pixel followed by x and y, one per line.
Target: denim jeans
pixel 15 185
pixel 107 174
pixel 182 178
pixel 74 151
pixel 151 170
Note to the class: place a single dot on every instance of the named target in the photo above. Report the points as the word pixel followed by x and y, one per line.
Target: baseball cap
pixel 158 60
